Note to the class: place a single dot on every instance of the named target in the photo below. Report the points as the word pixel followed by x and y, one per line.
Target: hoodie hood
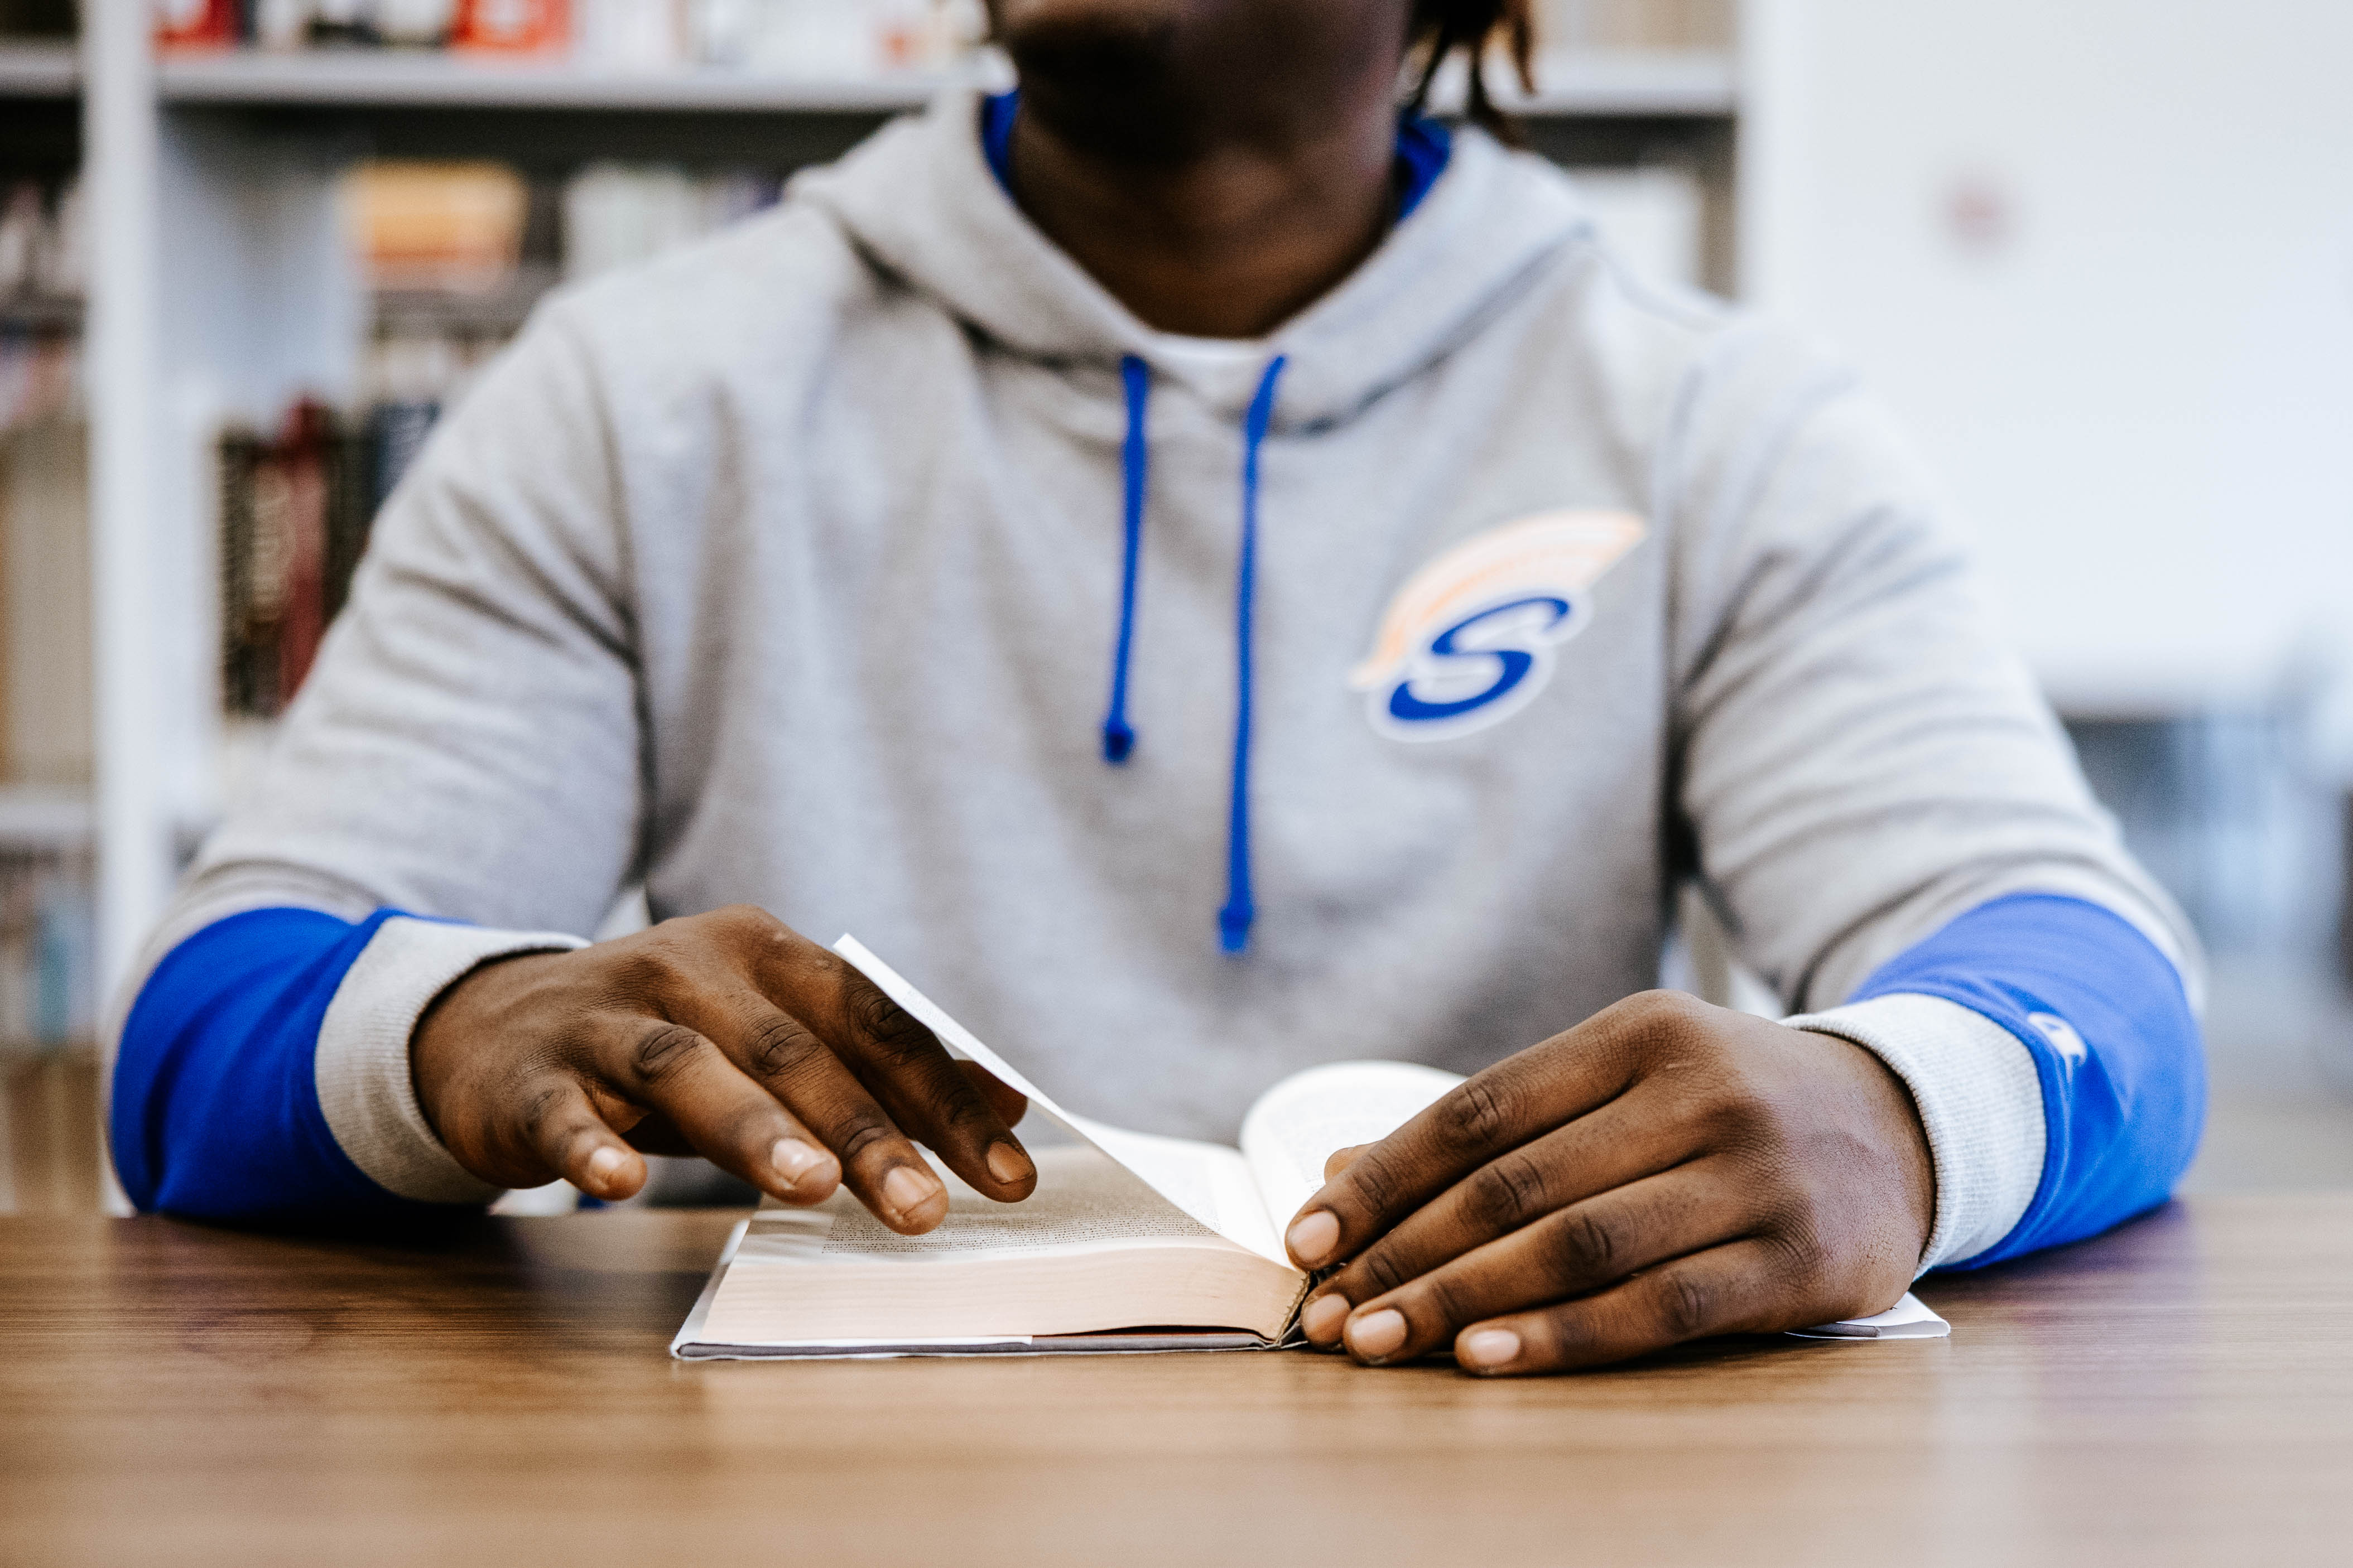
pixel 921 200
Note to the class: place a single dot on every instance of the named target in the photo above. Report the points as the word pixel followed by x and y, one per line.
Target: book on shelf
pixel 1131 1242
pixel 494 27
pixel 457 227
pixel 47 982
pixel 45 733
pixel 819 38
pixel 44 247
pixel 295 509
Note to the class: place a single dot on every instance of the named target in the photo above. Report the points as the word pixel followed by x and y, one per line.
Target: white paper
pixel 1299 1123
pixel 1207 1182
pixel 1909 1319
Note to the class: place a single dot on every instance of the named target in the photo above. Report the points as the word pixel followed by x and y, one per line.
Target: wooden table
pixel 2179 1392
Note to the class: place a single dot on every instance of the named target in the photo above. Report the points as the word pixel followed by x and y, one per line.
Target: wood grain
pixel 2180 1392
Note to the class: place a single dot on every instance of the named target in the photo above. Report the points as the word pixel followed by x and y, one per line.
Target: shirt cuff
pixel 1979 1101
pixel 362 1064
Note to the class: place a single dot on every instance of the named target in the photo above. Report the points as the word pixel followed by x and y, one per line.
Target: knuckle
pixel 655 964
pixel 1652 1018
pixel 741 930
pixel 1476 1112
pixel 1442 1303
pixel 1374 1178
pixel 664 1051
pixel 1730 1119
pixel 1796 1235
pixel 542 1110
pixel 1381 1271
pixel 780 1046
pixel 748 920
pixel 863 1133
pixel 895 1039
pixel 1507 1194
pixel 1655 1006
pixel 1687 1306
pixel 957 1107
pixel 1587 1245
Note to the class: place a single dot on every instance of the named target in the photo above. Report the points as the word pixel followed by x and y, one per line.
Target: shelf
pixel 39 69
pixel 500 310
pixel 1630 82
pixel 393 79
pixel 35 817
pixel 1607 84
pixel 39 314
pixel 1611 84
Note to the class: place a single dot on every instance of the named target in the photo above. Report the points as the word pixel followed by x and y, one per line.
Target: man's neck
pixel 1230 239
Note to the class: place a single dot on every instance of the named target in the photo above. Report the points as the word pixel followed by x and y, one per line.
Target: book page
pixel 1297 1124
pixel 1083 1199
pixel 1210 1182
pixel 1093 1251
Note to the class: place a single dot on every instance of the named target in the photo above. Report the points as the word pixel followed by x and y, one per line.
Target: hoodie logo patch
pixel 1473 636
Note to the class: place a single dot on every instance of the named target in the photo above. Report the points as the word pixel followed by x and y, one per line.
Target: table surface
pixel 2181 1391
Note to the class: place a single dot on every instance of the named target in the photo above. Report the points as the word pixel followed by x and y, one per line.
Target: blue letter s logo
pixel 1471 636
pixel 1478 671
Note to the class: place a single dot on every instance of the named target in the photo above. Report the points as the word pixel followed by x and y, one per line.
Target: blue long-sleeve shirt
pixel 217 1114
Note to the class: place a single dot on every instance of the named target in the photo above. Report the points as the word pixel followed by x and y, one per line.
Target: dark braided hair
pixel 1441 28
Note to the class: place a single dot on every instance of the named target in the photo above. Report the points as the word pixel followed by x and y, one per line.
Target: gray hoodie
pixel 794 569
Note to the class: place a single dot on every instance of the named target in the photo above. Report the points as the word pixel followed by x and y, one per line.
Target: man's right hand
pixel 726 1035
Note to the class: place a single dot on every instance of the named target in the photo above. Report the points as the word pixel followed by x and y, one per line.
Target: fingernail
pixel 1312 1239
pixel 1377 1336
pixel 1488 1349
pixel 794 1160
pixel 603 1166
pixel 907 1190
pixel 1009 1164
pixel 1323 1318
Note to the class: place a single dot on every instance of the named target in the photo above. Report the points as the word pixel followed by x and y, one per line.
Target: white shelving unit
pixel 39 71
pixel 39 818
pixel 1663 83
pixel 219 287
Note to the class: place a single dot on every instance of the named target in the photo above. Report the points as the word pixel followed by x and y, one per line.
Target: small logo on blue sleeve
pixel 1471 639
pixel 2062 1035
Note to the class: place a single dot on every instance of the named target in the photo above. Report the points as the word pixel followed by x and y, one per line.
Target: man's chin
pixel 1108 73
pixel 1114 34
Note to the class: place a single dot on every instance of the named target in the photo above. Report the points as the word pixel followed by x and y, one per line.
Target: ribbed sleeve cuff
pixel 364 1085
pixel 1980 1102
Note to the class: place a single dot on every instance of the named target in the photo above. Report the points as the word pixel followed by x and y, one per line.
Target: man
pixel 1211 575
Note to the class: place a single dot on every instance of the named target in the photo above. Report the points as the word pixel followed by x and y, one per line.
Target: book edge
pixel 691 1329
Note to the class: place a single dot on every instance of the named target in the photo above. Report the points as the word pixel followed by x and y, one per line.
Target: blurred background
pixel 2098 255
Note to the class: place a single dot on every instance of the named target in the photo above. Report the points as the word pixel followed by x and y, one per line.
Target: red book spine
pixel 513 26
pixel 195 24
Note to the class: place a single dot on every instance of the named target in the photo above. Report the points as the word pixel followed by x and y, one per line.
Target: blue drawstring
pixel 1234 921
pixel 1241 909
pixel 1135 459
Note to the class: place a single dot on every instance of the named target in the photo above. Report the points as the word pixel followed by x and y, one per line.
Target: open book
pixel 1131 1241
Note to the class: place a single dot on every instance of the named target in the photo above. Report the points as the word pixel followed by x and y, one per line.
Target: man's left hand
pixel 1664 1171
